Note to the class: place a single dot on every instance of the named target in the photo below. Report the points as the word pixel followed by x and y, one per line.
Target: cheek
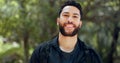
pixel 63 19
pixel 61 22
pixel 78 24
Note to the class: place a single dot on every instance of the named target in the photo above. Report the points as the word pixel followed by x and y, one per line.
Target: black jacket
pixel 48 52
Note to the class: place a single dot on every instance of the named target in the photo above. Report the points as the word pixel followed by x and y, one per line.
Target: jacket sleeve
pixel 35 56
pixel 40 54
pixel 93 57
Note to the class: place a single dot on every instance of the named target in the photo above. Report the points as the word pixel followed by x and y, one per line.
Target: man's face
pixel 69 21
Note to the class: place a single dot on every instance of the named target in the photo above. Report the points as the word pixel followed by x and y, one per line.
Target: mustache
pixel 69 23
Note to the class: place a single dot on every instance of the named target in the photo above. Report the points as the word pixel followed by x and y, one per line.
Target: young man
pixel 66 47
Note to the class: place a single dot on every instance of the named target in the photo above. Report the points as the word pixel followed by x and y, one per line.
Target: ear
pixel 58 19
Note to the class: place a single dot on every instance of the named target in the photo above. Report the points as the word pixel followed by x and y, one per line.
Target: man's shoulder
pixel 85 46
pixel 90 52
pixel 46 44
pixel 41 52
pixel 43 45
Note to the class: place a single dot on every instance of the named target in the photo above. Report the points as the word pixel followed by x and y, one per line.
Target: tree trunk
pixel 25 31
pixel 113 45
pixel 26 46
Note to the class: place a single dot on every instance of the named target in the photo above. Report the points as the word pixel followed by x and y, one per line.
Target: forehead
pixel 71 9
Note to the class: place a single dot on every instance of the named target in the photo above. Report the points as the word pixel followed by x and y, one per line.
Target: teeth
pixel 69 25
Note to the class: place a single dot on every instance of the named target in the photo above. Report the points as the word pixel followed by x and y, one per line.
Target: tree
pixel 29 23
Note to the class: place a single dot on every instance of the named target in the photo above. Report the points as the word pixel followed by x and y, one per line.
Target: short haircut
pixel 71 3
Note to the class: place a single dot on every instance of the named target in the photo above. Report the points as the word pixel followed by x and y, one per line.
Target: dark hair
pixel 71 3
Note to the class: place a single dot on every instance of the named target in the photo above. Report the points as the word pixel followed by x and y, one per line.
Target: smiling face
pixel 69 21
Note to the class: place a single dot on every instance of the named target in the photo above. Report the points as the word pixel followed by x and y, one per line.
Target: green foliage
pixel 12 51
pixel 37 18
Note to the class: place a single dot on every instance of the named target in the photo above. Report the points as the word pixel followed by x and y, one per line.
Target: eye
pixel 65 15
pixel 75 16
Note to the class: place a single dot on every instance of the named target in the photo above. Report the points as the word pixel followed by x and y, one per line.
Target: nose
pixel 70 19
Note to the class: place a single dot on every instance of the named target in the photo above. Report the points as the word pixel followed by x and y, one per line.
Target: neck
pixel 67 43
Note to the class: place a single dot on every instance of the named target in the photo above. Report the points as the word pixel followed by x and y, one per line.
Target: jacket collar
pixel 55 43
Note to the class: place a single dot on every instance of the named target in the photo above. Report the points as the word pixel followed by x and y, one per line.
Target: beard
pixel 73 33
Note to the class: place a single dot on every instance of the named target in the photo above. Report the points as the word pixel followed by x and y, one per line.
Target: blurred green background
pixel 24 24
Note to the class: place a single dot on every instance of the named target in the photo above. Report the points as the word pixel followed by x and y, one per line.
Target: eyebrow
pixel 76 14
pixel 73 13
